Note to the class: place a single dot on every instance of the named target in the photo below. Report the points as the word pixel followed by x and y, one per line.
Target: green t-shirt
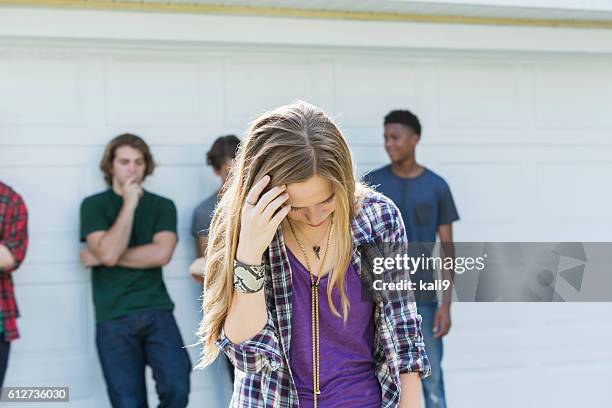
pixel 118 291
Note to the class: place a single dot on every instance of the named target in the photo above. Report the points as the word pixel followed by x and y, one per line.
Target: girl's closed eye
pixel 323 202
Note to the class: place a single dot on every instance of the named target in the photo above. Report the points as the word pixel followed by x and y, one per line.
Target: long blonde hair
pixel 291 144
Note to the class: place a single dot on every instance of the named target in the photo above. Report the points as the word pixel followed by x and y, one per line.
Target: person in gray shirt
pixel 220 157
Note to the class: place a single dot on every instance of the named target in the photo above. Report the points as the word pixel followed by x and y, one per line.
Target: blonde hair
pixel 291 144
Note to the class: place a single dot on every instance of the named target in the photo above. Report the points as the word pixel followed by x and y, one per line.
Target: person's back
pixel 130 234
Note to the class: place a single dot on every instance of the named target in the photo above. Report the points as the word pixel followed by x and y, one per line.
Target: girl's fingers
pixel 273 206
pixel 280 216
pixel 267 198
pixel 253 196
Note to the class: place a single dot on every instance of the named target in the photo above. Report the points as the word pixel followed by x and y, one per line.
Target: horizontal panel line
pixel 43 165
pixel 53 283
pixel 552 144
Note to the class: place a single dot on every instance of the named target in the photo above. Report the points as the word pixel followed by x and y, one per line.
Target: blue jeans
pixel 127 344
pixel 433 386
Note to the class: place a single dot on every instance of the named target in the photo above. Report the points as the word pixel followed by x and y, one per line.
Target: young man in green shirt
pixel 130 234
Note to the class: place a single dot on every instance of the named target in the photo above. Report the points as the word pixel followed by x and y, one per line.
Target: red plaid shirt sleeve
pixel 14 227
pixel 14 236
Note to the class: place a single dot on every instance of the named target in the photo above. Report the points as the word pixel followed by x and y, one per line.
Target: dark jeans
pixel 127 344
pixel 5 347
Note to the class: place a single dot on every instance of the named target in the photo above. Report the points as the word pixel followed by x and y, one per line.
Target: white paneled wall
pixel 523 140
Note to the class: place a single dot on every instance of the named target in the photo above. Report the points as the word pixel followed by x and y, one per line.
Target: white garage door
pixel 523 140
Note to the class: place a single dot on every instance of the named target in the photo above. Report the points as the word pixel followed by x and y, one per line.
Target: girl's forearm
pixel 411 390
pixel 247 316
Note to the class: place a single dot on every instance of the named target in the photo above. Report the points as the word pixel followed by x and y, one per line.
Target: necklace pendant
pixel 317 250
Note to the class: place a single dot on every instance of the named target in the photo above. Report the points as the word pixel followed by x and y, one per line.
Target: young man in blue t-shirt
pixel 427 207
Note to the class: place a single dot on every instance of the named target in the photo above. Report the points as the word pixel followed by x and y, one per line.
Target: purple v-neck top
pixel 347 376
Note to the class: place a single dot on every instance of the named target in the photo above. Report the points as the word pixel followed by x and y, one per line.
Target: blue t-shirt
pixel 425 203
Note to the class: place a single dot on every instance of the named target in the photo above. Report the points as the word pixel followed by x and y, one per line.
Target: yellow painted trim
pixel 305 13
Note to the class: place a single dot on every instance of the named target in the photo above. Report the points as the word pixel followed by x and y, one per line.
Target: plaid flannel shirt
pixel 263 375
pixel 14 236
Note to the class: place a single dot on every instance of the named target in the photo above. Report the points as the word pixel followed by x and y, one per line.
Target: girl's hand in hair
pixel 260 219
